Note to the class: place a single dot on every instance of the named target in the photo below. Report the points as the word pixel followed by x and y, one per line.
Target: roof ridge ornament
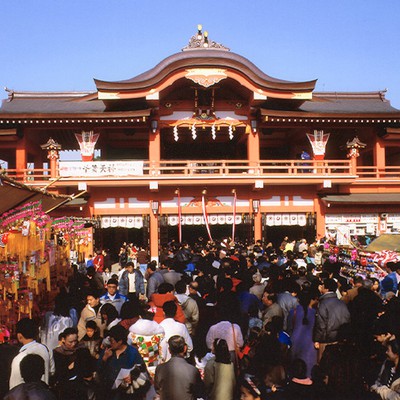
pixel 200 41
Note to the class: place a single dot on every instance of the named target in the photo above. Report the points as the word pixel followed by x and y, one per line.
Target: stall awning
pixel 370 198
pixel 14 194
pixel 385 242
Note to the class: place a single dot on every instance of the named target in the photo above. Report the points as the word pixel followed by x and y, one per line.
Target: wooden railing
pixel 387 173
pixel 213 169
pixel 265 168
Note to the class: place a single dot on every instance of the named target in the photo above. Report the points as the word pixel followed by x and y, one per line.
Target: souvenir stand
pixel 25 257
pixel 356 261
pixel 74 244
pixel 35 254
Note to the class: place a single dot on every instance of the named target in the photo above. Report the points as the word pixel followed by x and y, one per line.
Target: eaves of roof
pixel 209 58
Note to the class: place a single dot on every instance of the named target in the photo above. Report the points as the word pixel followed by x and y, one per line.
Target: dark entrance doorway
pixel 113 238
pixel 275 234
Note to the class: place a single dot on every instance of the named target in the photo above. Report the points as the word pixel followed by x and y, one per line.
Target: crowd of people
pixel 213 321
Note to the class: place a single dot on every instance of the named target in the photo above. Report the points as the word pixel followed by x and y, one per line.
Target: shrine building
pixel 207 144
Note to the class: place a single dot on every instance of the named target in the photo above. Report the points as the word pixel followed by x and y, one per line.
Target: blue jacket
pixel 389 283
pixel 117 302
pixel 110 369
pixel 123 284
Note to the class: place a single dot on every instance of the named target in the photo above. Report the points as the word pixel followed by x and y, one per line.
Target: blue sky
pixel 348 45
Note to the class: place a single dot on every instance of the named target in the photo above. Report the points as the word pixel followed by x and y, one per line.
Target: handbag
pixel 236 363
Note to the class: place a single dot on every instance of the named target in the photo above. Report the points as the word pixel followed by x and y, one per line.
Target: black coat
pixel 32 391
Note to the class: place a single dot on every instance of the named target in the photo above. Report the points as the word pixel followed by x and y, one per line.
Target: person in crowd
pixel 109 317
pixel 142 258
pixel 157 300
pixel 301 322
pixel 146 335
pixel 387 386
pixel 331 314
pixel 375 286
pixel 132 251
pixel 107 259
pixel 130 312
pixel 122 257
pixel 154 278
pixel 96 282
pixel 115 363
pixel 176 379
pixel 92 339
pixel 341 364
pixel 258 286
pixel 219 373
pixel 7 353
pixel 353 292
pixel 98 262
pixel 391 281
pixel 68 378
pixel 113 296
pixel 131 283
pixel 364 310
pixel 230 332
pixel 171 276
pixel 189 307
pixel 89 261
pixel 271 307
pixel 55 322
pixel 288 299
pixel 106 275
pixel 27 331
pixel 32 368
pixel 172 327
pixel 91 312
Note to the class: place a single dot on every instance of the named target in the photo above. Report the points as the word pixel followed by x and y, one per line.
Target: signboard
pixel 351 218
pixel 343 236
pixel 100 168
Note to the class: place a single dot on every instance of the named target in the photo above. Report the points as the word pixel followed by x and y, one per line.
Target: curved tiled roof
pixel 208 58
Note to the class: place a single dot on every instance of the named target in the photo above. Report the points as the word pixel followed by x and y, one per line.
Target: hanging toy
pixel 176 135
pixel 25 228
pixel 4 239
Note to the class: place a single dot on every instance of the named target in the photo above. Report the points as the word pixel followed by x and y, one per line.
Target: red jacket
pixel 156 303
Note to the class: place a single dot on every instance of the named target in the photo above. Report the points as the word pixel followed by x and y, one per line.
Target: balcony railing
pixel 387 173
pixel 209 169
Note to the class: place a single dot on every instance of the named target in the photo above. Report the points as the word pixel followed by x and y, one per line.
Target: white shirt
pixel 171 328
pixel 132 287
pixel 31 348
pixel 225 330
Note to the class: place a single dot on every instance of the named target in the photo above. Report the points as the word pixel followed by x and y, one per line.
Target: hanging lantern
pixel 318 141
pixel 87 141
